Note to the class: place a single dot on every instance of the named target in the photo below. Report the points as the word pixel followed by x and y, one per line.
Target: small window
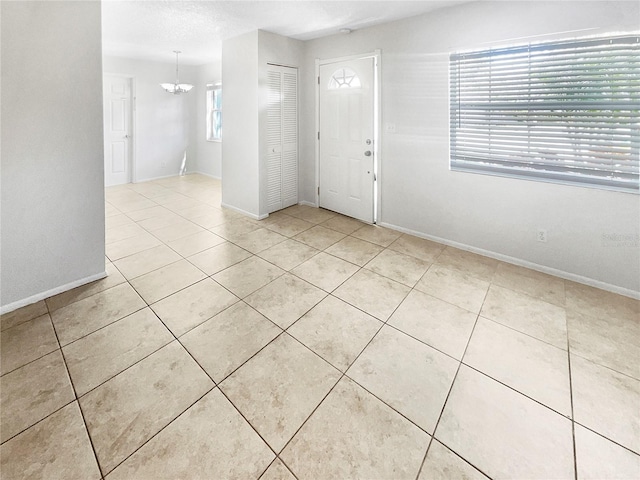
pixel 565 112
pixel 214 112
pixel 344 78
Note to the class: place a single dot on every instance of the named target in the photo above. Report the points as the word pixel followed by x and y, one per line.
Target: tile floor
pixel 311 346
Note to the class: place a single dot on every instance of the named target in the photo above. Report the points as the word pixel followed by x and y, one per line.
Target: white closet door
pixel 282 138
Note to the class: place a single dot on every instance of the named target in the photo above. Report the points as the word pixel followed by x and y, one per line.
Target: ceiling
pixel 152 29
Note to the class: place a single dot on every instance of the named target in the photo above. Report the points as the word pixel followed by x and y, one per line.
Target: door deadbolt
pixel 368 142
pixel 367 153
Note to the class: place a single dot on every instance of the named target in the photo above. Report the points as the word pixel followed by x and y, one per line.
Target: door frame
pixel 132 111
pixel 377 101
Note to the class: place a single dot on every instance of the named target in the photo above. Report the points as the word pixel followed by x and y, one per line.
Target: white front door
pixel 117 130
pixel 346 167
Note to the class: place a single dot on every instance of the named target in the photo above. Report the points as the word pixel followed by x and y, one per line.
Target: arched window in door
pixel 344 78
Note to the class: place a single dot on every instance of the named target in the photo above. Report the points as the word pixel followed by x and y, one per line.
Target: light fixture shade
pixel 176 88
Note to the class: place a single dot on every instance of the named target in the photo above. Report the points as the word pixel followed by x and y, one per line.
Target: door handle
pixel 126 136
pixel 367 153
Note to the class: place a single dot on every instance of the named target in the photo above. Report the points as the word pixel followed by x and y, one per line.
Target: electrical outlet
pixel 541 235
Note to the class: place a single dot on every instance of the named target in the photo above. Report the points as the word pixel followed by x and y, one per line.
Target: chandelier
pixel 176 88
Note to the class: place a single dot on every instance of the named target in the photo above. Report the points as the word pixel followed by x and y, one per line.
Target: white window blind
pixel 563 112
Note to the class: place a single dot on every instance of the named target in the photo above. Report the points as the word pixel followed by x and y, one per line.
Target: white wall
pixel 52 181
pixel 495 215
pixel 164 124
pixel 209 152
pixel 278 50
pixel 240 168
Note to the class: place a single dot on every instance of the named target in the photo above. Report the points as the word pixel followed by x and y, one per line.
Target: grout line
pixel 573 423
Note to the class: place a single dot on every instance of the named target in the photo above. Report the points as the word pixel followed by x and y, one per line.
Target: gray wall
pixel 52 170
pixel 492 215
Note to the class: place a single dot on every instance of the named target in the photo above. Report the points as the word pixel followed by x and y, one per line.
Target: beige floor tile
pixel 285 300
pixel 110 210
pixel 454 287
pixel 233 229
pixel 533 367
pixel 378 235
pixel 246 277
pixel 23 314
pixel 319 237
pixel 417 247
pixel 213 217
pixel 325 271
pixel 149 190
pixel 140 215
pixel 503 433
pixel 526 314
pixel 192 306
pixel 406 374
pixel 597 458
pixel 223 343
pixel 114 277
pixel 96 358
pixel 89 314
pixel 33 392
pixel 606 401
pixel 612 342
pixel 336 331
pixel 535 284
pixel 442 464
pixel 285 224
pixel 435 322
pixel 57 447
pixel 218 258
pixel 134 205
pixel 129 409
pixel 198 211
pixel 26 342
pixel 122 232
pixel 470 263
pixel 124 248
pixel 398 266
pixel 599 303
pixel 354 435
pixel 342 224
pixel 163 220
pixel 146 261
pixel 118 220
pixel 288 254
pixel 372 293
pixel 192 244
pixel 176 231
pixel 161 283
pixel 279 388
pixel 277 471
pixel 210 440
pixel 354 250
pixel 259 240
pixel 309 214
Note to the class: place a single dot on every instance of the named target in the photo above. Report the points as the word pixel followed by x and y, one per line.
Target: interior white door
pixel 282 137
pixel 117 130
pixel 346 138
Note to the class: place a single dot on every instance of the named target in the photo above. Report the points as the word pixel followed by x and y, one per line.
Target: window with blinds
pixel 565 112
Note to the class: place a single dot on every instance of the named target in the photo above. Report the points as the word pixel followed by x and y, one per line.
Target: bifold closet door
pixel 282 137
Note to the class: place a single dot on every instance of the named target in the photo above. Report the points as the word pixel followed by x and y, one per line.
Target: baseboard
pixel 207 175
pixel 308 204
pixel 50 293
pixel 521 263
pixel 239 210
pixel 156 178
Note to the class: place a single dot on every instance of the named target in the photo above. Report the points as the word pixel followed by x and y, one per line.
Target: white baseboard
pixel 521 263
pixel 308 204
pixel 151 179
pixel 50 293
pixel 239 210
pixel 207 175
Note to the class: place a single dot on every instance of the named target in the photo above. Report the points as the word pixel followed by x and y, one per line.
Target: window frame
pixel 213 127
pixel 495 131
